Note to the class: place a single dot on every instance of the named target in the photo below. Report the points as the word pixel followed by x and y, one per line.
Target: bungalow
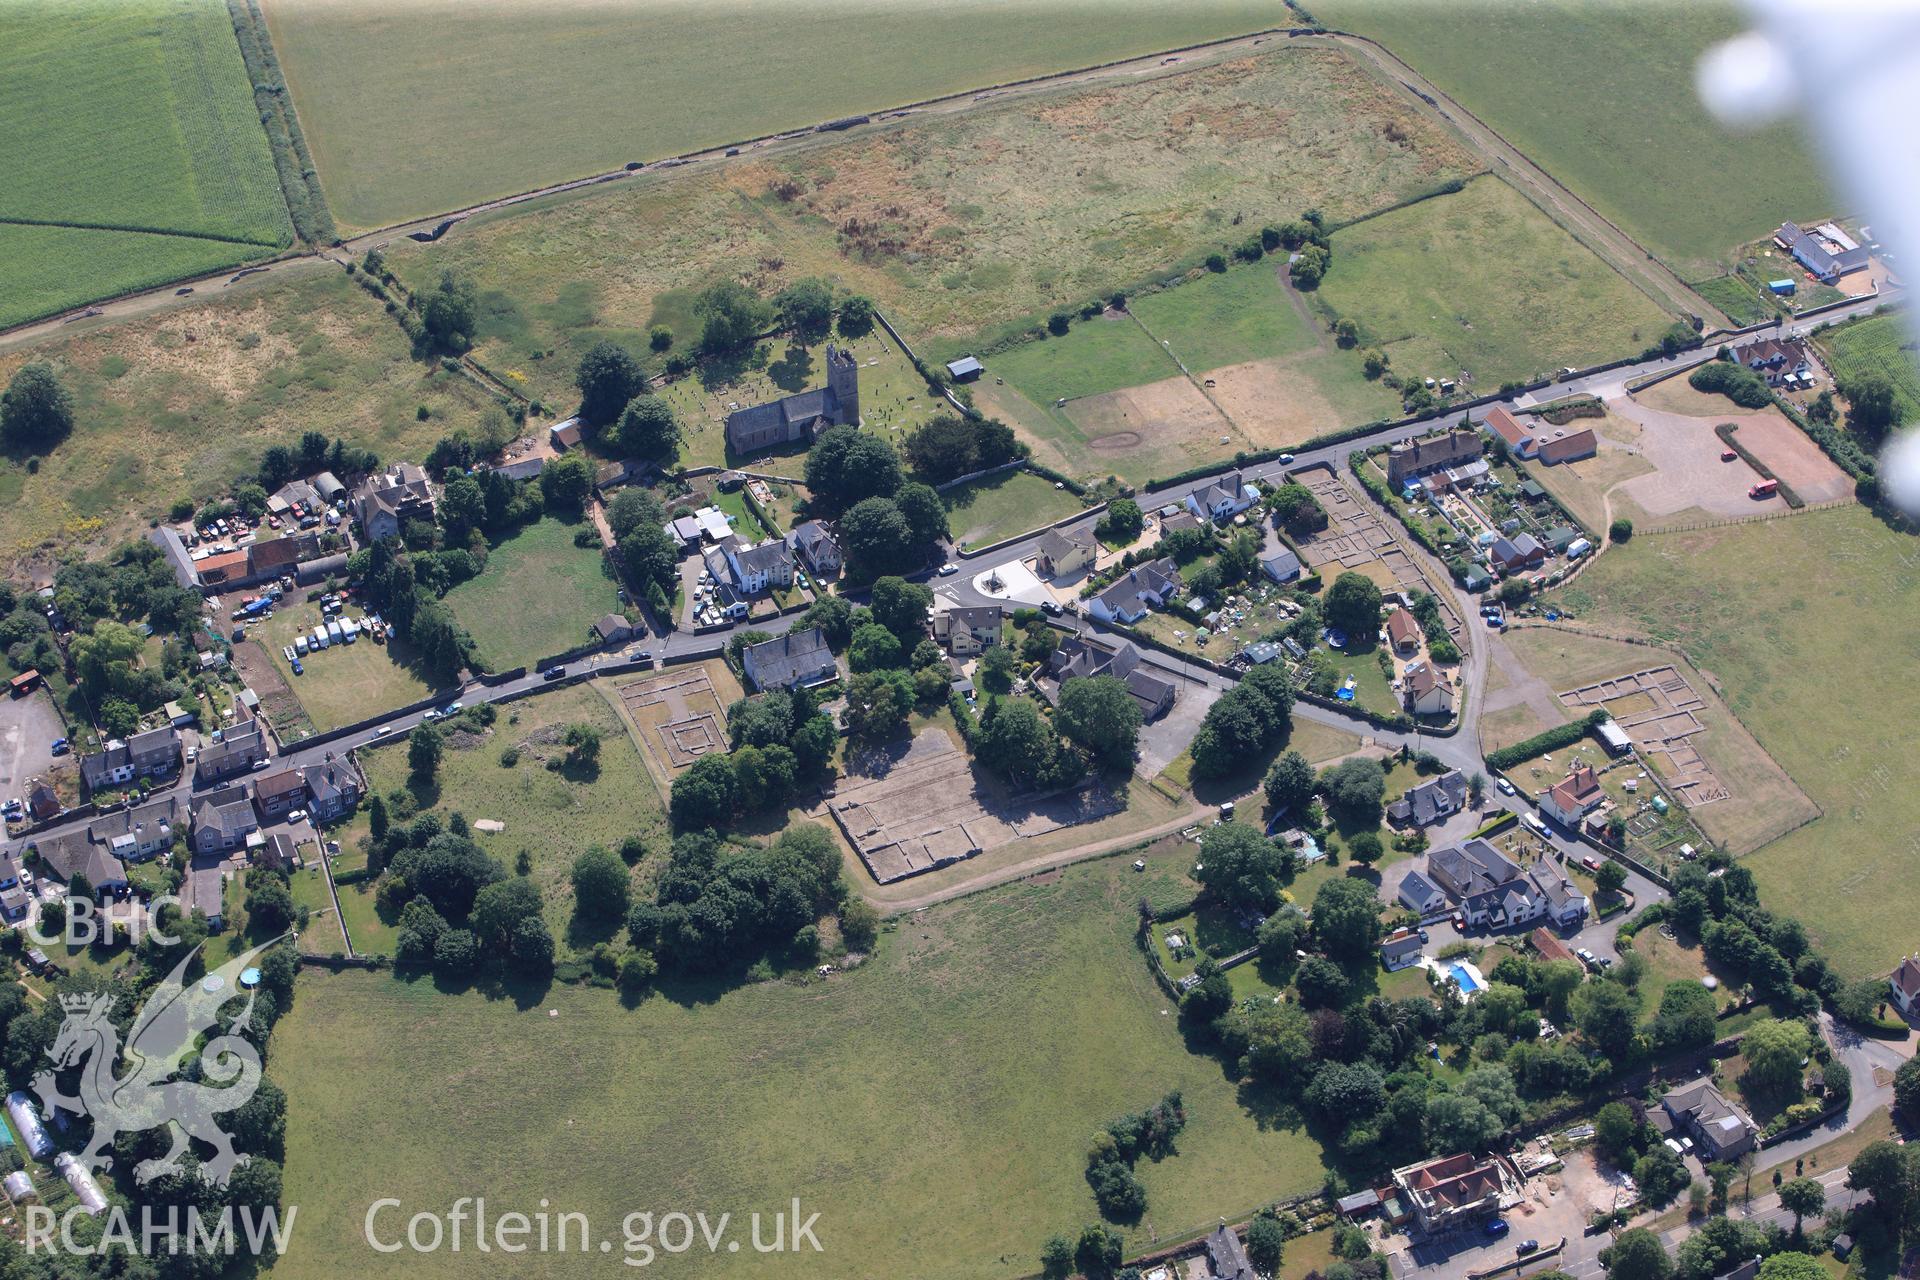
pixel 1905 983
pixel 1775 359
pixel 1079 657
pixel 760 569
pixel 796 658
pixel 815 546
pixel 1403 633
pixel 1412 458
pixel 1176 520
pixel 222 820
pixel 1703 1111
pixel 333 789
pixel 277 852
pixel 279 792
pixel 1282 566
pixel 1222 499
pixel 1434 800
pixel 1400 953
pixel 967 631
pixel 1144 587
pixel 1517 436
pixel 74 852
pixel 1573 797
pixel 1550 947
pixel 1520 552
pixel 1065 553
pixel 1567 446
pixel 1429 690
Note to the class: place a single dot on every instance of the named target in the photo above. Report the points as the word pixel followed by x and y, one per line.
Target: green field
pixel 1877 344
pixel 1099 355
pixel 1228 317
pixel 144 133
pixel 180 403
pixel 1804 626
pixel 538 596
pixel 1602 98
pixel 985 511
pixel 552 813
pixel 962 228
pixel 341 684
pixel 1482 281
pixel 933 1105
pixel 598 85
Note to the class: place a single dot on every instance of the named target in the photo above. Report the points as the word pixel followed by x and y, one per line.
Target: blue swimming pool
pixel 1465 977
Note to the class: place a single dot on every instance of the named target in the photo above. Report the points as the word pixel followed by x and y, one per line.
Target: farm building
pixel 1567 446
pixel 1517 436
pixel 965 369
pixel 1827 252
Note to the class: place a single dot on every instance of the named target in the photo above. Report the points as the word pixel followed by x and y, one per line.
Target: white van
pixel 320 640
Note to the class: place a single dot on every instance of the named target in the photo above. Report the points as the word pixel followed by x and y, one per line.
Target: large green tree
pixel 1637 1255
pixel 1100 717
pixel 1774 1049
pixel 1352 605
pixel 608 377
pixel 1240 867
pixel 649 429
pixel 732 316
pixel 1290 784
pixel 36 412
pixel 1346 917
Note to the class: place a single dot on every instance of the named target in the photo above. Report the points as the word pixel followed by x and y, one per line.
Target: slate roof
pixel 1431 800
pixel 764 558
pixel 1282 564
pixel 787 659
pixel 1158 578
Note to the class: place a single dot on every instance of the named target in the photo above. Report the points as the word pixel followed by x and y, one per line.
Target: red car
pixel 1728 455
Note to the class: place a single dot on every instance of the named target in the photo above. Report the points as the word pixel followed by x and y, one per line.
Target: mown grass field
pixel 1554 77
pixel 341 684
pixel 1102 354
pixel 539 595
pixel 181 403
pixel 960 227
pixel 142 116
pixel 598 85
pixel 932 1105
pixel 984 511
pixel 1877 344
pixel 1227 317
pixel 1803 624
pixel 1482 281
pixel 551 813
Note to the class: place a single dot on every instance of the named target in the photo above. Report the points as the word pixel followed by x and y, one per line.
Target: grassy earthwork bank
pixel 182 402
pixel 933 1105
pixel 1785 614
pixel 538 596
pixel 1552 76
pixel 597 86
pixel 145 160
pixel 1483 281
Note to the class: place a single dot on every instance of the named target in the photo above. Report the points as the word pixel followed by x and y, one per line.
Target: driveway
pixel 1165 738
pixel 28 727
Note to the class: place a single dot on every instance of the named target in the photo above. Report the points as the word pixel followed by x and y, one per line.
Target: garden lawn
pixel 996 507
pixel 1555 78
pixel 1877 344
pixel 180 403
pixel 600 85
pixel 1804 624
pixel 538 596
pixel 146 155
pixel 552 813
pixel 933 1105
pixel 1482 281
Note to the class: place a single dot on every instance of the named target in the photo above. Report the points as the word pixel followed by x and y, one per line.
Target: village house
pixel 204 890
pixel 1452 1192
pixel 1411 459
pixel 333 789
pixel 1065 553
pixel 1141 589
pixel 1429 689
pixel 815 545
pixel 242 745
pixel 1517 554
pixel 14 898
pixel 796 658
pixel 1403 633
pixel 613 628
pixel 222 820
pixel 799 418
pixel 967 631
pixel 1827 252
pixel 1222 499
pixel 141 832
pixel 144 755
pixel 1778 360
pixel 1492 890
pixel 1227 1257
pixel 386 500
pixel 1401 952
pixel 1905 983
pixel 279 792
pixel 1573 797
pixel 1717 1125
pixel 1517 436
pixel 1422 896
pixel 1434 800
pixel 1080 657
pixel 75 852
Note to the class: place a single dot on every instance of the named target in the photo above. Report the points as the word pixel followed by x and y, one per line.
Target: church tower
pixel 843 379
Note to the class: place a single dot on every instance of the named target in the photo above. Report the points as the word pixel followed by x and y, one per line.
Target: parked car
pixel 1728 455
pixel 1526 1247
pixel 299 668
pixel 1536 822
pixel 429 716
pixel 1051 607
pixel 1286 459
pixel 1506 788
pixel 60 747
pixel 453 708
pixel 1496 1227
pixel 383 731
pixel 948 570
